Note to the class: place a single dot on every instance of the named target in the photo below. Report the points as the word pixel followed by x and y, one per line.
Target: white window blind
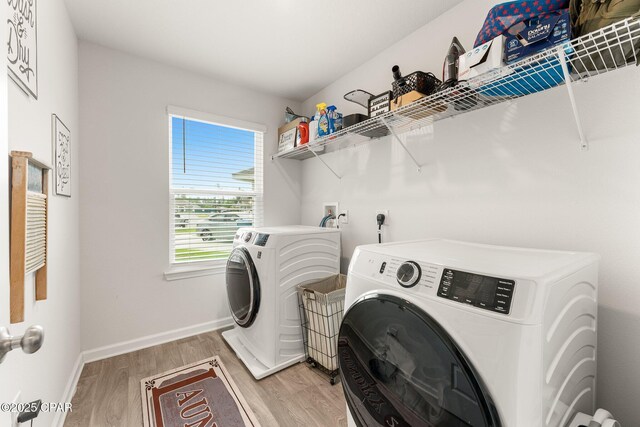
pixel 216 186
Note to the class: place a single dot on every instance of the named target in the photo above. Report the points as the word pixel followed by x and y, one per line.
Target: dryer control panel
pixel 419 276
pixel 489 293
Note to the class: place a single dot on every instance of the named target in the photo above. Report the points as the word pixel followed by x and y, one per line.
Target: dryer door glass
pixel 399 367
pixel 243 287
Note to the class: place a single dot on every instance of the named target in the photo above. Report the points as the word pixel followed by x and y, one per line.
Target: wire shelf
pixel 602 51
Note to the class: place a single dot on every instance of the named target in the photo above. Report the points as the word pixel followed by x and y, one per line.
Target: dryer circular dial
pixel 408 274
pixel 248 236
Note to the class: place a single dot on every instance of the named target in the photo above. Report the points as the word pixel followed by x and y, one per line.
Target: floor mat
pixel 201 394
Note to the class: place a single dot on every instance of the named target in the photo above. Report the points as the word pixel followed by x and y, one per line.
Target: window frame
pixel 198 268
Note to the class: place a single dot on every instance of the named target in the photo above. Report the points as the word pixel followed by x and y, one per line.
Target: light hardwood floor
pixel 108 392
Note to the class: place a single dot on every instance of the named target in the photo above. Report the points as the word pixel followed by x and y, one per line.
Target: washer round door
pixel 243 287
pixel 399 367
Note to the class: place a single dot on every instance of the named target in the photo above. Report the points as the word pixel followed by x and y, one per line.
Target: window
pixel 215 183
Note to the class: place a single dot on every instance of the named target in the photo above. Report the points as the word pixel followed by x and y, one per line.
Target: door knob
pixel 30 342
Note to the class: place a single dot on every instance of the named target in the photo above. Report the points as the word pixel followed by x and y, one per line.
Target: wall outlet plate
pixel 14 414
pixel 384 212
pixel 344 219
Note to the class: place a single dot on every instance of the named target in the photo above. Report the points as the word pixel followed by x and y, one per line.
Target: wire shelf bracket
pixel 324 163
pixel 584 143
pixel 397 138
pixel 274 159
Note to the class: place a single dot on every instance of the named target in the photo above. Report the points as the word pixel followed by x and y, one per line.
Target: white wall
pixel 46 373
pixel 509 175
pixel 125 211
pixel 7 391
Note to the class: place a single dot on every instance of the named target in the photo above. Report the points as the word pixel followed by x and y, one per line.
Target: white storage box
pixel 482 59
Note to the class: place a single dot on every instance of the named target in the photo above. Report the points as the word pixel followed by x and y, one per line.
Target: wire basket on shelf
pixel 425 83
pixel 321 311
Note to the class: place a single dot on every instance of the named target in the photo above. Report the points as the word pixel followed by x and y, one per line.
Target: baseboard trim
pixel 151 340
pixel 70 389
pixel 127 347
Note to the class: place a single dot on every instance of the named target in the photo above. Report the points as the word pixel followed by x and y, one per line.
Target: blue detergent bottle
pixel 323 120
pixel 332 116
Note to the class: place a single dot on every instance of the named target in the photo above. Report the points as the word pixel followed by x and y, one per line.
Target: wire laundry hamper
pixel 321 311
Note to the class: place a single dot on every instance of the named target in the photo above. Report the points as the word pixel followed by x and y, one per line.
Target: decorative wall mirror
pixel 29 226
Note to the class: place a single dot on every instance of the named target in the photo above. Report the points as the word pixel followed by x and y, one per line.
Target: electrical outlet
pixel 384 212
pixel 14 414
pixel 344 217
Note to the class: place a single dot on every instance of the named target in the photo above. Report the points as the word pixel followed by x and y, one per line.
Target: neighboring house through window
pixel 215 183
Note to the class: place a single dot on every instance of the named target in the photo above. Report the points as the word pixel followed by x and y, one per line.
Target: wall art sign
pixel 62 157
pixel 22 44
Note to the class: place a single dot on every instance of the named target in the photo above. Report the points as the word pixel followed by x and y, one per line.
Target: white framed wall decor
pixel 62 156
pixel 22 44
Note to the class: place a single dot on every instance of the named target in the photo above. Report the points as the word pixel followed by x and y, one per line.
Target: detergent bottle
pixel 335 119
pixel 313 127
pixel 323 120
pixel 303 134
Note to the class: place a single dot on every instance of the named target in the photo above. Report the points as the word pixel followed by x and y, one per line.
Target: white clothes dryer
pixel 262 273
pixel 446 333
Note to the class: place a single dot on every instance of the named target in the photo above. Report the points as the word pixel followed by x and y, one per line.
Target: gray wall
pixel 45 375
pixel 125 193
pixel 508 175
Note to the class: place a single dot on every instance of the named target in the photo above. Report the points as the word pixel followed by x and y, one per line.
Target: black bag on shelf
pixel 609 48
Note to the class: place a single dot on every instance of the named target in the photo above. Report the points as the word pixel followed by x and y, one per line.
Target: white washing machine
pixel 262 273
pixel 445 333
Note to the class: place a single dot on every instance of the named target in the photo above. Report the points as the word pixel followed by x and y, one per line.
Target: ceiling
pixel 290 48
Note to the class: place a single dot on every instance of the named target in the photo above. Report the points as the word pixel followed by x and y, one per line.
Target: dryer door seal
pixel 399 367
pixel 243 287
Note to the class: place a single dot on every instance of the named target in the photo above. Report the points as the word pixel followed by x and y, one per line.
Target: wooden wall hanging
pixel 29 226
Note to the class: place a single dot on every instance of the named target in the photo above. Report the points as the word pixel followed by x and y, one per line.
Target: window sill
pixel 189 271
